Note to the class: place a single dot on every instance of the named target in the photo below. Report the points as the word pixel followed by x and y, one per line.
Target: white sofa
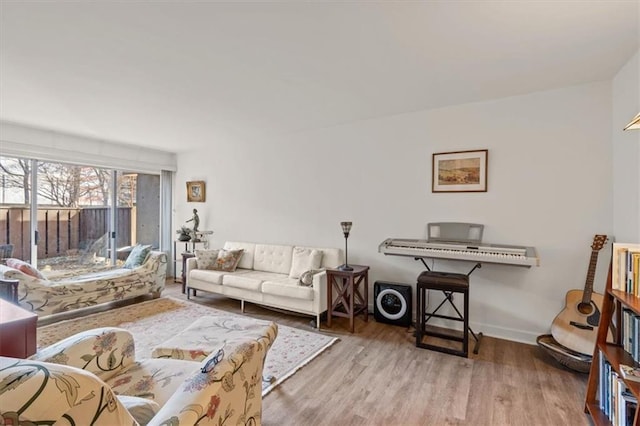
pixel 263 277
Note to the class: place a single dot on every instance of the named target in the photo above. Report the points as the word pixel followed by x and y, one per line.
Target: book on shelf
pixel 630 373
pixel 626 268
pixel 630 333
pixel 628 407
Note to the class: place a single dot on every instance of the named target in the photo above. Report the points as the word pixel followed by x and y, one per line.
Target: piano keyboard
pixel 490 253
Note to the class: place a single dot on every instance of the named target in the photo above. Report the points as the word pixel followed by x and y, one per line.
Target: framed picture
pixel 460 171
pixel 195 191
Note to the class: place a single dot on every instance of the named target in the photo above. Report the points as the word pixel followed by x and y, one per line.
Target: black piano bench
pixel 448 283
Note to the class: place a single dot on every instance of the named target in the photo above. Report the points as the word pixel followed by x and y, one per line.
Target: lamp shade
pixel 634 124
pixel 346 228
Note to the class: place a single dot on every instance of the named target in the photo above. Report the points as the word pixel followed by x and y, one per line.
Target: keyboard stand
pixel 478 265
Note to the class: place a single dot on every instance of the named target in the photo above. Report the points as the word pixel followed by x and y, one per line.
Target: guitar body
pixel 576 326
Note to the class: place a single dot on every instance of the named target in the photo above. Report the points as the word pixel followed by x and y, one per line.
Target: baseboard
pixel 505 333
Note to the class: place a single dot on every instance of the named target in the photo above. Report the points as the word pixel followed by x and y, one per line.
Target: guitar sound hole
pixel 585 308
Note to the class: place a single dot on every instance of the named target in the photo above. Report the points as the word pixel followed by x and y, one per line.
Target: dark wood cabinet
pixel 17 331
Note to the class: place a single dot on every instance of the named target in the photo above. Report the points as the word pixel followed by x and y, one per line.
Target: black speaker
pixel 392 303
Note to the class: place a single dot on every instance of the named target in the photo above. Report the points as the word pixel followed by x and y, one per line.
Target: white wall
pixel 549 186
pixel 626 153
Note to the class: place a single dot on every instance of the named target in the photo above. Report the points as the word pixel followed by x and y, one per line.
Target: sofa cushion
pixel 206 259
pixel 287 287
pixel 246 261
pixel 246 279
pixel 137 256
pixel 303 260
pixel 24 267
pixel 273 258
pixel 214 277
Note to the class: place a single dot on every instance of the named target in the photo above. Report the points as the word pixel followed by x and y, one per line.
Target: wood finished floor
pixel 377 376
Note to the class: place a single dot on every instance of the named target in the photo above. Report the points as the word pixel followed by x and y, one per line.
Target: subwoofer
pixel 392 303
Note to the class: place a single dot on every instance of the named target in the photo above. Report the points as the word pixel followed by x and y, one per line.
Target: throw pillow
pixel 137 256
pixel 141 409
pixel 306 278
pixel 304 259
pixel 206 259
pixel 24 267
pixel 228 260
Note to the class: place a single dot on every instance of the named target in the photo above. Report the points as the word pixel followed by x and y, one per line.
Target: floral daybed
pixel 93 378
pixel 47 297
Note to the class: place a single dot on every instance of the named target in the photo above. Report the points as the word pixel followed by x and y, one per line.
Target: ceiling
pixel 183 75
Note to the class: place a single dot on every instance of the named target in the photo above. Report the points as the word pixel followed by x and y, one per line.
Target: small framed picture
pixel 460 171
pixel 195 191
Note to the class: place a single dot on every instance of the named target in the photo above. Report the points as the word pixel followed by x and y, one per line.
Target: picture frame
pixel 460 171
pixel 195 191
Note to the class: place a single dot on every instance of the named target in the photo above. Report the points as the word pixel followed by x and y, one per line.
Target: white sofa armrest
pixel 103 351
pixel 320 292
pixel 192 263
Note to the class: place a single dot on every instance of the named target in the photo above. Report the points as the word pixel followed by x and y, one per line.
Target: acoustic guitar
pixel 576 326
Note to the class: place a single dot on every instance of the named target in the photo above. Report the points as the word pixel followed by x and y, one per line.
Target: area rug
pixel 154 321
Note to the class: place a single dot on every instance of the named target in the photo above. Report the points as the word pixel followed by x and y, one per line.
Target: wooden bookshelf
pixel 613 352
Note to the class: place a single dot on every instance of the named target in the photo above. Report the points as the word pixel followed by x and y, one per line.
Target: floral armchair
pixel 80 375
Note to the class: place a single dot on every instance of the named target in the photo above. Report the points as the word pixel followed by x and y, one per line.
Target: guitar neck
pixel 591 273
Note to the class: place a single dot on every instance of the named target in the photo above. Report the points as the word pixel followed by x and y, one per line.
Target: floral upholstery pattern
pixel 104 352
pixel 155 379
pixel 227 260
pixel 225 388
pixel 45 393
pixel 46 297
pixel 207 335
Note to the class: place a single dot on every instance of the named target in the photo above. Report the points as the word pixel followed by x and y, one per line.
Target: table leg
pixel 329 299
pixel 366 298
pixel 351 303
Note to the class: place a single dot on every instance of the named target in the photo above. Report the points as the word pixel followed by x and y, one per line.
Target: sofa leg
pixel 188 293
pixel 242 306
pixel 318 322
pixel 155 294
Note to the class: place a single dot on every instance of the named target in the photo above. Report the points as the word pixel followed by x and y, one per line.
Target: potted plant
pixel 184 233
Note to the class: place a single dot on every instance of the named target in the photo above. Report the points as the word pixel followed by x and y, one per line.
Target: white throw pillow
pixel 304 259
pixel 206 259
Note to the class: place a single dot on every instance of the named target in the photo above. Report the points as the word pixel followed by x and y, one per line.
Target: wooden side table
pixel 17 331
pixel 352 293
pixel 176 244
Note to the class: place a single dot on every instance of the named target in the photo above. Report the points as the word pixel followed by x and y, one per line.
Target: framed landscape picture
pixel 195 191
pixel 460 171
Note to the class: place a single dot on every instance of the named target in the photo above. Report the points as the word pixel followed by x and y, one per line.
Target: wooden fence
pixel 61 230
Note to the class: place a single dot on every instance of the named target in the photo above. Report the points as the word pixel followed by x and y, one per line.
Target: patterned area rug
pixel 154 321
